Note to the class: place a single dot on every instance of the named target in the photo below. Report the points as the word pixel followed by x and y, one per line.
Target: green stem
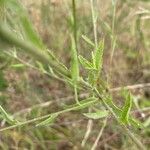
pixel 74 21
pixel 77 107
pixel 113 40
pixel 94 20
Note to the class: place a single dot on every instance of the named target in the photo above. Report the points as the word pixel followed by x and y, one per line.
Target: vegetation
pixel 74 74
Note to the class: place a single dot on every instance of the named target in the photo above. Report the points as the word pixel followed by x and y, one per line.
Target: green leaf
pixel 88 40
pixel 85 63
pixel 98 56
pixel 18 65
pixel 92 78
pixel 30 33
pixel 52 55
pixel 97 115
pixel 22 20
pixel 48 121
pixel 83 104
pixel 74 63
pixel 126 109
pixel 41 67
pixel 7 117
pixel 134 122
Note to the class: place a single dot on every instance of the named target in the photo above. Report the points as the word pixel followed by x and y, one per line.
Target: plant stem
pixel 74 22
pixel 77 107
pixel 113 40
pixel 94 20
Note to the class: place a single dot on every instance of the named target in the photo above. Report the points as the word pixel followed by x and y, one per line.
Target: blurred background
pixel 125 26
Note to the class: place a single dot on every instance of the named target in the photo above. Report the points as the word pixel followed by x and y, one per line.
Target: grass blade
pixel 88 40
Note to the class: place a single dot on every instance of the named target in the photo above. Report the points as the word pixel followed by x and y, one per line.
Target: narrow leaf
pixel 98 55
pixel 85 63
pixel 7 117
pixel 48 121
pixel 18 65
pixel 88 40
pixel 41 67
pixel 134 122
pixel 126 109
pixel 30 33
pixel 97 115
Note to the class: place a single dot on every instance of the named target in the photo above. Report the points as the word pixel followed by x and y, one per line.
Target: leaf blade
pixel 48 121
pixel 98 55
pixel 126 109
pixel 88 40
pixel 97 115
pixel 85 63
pixel 7 117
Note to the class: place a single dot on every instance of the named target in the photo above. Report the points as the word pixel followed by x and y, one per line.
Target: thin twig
pixel 99 135
pixel 88 131
pixel 107 139
pixel 130 87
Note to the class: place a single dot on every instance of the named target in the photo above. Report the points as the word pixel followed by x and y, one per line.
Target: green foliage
pixel 19 32
pixel 7 117
pixel 30 34
pixel 17 65
pixel 97 114
pixel 83 104
pixel 126 108
pixel 98 56
pixel 85 63
pixel 88 40
pixel 124 113
pixel 74 63
pixel 48 121
pixel 41 67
